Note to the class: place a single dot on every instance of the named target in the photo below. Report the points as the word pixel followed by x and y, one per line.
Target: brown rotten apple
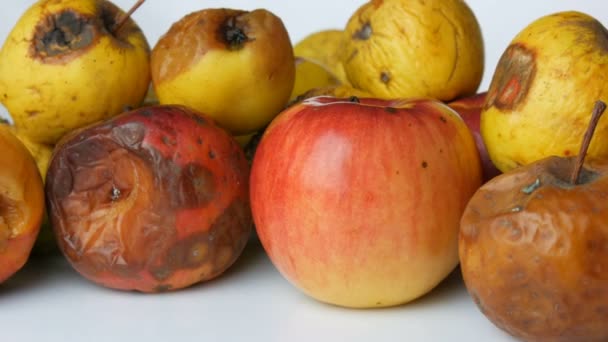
pixel 154 199
pixel 21 203
pixel 534 249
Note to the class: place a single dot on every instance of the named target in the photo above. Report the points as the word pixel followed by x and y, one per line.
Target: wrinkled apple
pixel 155 199
pixel 357 202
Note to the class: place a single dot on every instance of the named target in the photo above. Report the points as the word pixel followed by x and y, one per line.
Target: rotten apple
pixel 357 202
pixel 470 108
pixel 534 248
pixel 154 199
pixel 21 203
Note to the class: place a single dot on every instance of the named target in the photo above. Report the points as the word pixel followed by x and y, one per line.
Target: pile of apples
pixel 376 166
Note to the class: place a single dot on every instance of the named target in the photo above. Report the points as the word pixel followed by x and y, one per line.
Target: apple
pixel 151 200
pixel 470 109
pixel 69 63
pixel 534 248
pixel 235 66
pixel 357 202
pixel 21 203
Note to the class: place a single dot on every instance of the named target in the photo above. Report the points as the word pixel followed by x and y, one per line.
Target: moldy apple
pixel 154 199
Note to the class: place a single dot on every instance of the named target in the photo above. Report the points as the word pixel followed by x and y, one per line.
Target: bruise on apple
pixel 10 215
pixel 512 79
pixel 63 36
pixel 599 36
pixel 119 202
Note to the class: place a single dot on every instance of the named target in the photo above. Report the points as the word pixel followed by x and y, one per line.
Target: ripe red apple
pixel 358 202
pixel 469 109
pixel 155 199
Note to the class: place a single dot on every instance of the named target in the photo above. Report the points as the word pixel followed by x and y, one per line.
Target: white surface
pixel 48 301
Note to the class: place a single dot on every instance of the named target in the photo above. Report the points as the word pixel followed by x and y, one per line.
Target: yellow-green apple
pixel 69 63
pixel 470 109
pixel 357 202
pixel 21 203
pixel 235 66
pixel 534 248
pixel 151 200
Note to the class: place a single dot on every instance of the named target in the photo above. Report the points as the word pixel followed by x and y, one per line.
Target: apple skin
pixel 21 203
pixel 534 251
pixel 470 109
pixel 152 200
pixel 357 203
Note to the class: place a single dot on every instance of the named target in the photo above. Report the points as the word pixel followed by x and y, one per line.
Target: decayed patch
pixel 513 78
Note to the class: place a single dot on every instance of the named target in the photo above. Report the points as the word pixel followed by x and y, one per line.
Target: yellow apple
pixel 235 66
pixel 543 89
pixel 64 66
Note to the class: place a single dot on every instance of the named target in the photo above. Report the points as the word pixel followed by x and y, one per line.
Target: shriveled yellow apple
pixel 402 48
pixel 65 65
pixel 326 47
pixel 235 66
pixel 543 88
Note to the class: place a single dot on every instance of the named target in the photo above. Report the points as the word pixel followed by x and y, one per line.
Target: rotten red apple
pixel 155 199
pixel 470 109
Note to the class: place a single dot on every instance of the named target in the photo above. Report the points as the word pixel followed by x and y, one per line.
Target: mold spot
pixel 512 79
pixel 364 33
pixel 196 186
pixel 385 77
pixel 115 194
pixel 63 33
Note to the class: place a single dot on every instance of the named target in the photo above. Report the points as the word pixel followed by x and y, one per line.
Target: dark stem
pixel 598 110
pixel 121 22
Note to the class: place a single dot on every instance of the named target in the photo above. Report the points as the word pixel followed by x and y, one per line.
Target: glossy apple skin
pixel 155 199
pixel 470 109
pixel 21 203
pixel 534 255
pixel 358 204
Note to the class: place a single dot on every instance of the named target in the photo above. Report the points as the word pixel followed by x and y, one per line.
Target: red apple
pixel 358 202
pixel 469 109
pixel 152 200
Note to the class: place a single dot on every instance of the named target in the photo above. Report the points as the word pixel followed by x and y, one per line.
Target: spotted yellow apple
pixel 543 89
pixel 235 66
pixel 66 64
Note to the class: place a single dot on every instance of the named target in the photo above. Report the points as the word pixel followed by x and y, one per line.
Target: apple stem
pixel 598 110
pixel 121 22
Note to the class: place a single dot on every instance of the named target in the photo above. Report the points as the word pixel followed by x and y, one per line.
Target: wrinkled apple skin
pixel 470 109
pixel 21 203
pixel 534 251
pixel 358 204
pixel 155 199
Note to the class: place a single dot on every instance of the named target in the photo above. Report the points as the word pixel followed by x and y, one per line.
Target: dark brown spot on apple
pixel 512 79
pixel 385 77
pixel 32 113
pixel 391 110
pixel 233 32
pixel 162 288
pixel 364 33
pixel 424 164
pixel 211 154
pixel 354 99
pixel 196 186
pixel 443 119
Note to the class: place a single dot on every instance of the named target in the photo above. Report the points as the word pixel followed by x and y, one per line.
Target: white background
pixel 49 302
